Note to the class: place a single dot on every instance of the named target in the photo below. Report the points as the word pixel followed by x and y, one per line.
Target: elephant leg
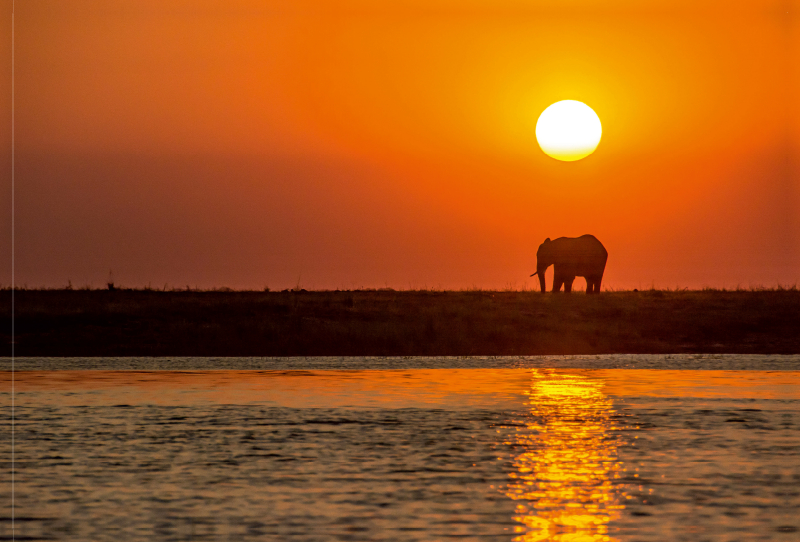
pixel 558 280
pixel 596 284
pixel 589 285
pixel 568 283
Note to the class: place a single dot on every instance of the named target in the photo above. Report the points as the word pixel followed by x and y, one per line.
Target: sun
pixel 568 130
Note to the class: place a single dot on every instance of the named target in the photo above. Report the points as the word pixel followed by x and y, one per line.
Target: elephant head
pixel 544 259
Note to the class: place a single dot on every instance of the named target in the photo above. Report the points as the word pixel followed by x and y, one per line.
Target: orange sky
pixel 342 145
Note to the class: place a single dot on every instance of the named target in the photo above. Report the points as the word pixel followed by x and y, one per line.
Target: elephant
pixel 572 257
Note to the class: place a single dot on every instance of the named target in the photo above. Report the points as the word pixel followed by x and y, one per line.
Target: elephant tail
pixel 535 274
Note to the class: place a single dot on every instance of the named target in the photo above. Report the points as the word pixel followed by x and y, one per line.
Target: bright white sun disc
pixel 568 130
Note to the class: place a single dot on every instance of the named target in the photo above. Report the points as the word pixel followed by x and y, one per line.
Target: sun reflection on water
pixel 566 462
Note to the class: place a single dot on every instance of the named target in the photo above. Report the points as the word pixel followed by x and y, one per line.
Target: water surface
pixel 511 451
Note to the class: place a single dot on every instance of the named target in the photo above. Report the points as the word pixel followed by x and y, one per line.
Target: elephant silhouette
pixel 572 257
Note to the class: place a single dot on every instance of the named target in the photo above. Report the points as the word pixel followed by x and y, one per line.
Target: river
pixel 569 449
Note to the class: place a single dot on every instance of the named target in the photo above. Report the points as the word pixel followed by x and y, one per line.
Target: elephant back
pixel 585 250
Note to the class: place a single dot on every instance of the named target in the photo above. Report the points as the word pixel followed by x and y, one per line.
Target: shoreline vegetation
pixel 385 322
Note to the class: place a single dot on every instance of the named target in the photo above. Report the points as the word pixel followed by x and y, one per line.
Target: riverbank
pixel 398 323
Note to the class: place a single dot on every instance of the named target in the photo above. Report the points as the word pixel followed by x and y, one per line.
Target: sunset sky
pixel 350 144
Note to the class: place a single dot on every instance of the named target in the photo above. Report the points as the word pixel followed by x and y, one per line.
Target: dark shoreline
pixel 399 323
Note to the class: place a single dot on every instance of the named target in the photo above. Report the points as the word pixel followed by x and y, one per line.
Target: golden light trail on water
pixel 564 477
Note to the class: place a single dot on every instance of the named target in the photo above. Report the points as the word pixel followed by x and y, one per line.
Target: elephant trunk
pixel 540 269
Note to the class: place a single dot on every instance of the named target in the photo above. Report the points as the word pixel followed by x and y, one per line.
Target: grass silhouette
pixel 150 322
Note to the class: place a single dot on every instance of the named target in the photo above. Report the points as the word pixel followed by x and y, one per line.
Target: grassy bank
pixel 397 323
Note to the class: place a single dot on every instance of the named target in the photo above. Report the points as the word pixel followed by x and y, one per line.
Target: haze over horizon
pixel 346 145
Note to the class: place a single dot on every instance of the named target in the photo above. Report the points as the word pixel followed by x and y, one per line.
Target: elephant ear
pixel 547 240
